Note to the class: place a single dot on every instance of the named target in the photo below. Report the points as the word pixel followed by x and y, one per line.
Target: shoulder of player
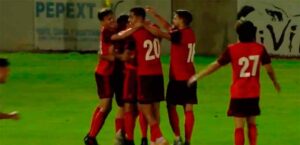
pixel 231 45
pixel 259 47
pixel 188 34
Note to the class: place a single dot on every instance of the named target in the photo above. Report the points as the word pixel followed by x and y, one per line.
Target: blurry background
pixel 72 25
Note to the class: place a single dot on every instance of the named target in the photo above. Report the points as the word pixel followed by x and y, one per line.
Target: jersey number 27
pixel 244 62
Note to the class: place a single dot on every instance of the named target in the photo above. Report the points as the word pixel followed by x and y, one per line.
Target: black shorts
pixel 130 87
pixel 244 107
pixel 106 87
pixel 150 89
pixel 118 79
pixel 178 93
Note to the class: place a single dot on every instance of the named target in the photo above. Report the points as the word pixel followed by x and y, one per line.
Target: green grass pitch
pixel 56 96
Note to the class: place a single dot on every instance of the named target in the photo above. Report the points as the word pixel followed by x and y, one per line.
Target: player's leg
pixel 130 105
pixel 189 122
pixel 118 89
pixel 98 120
pixel 150 93
pixel 119 126
pixel 105 93
pixel 239 137
pixel 156 134
pixel 156 111
pixel 119 121
pixel 174 121
pixel 252 130
pixel 144 128
pixel 130 119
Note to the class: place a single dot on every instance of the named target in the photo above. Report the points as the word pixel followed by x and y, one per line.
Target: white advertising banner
pixel 278 24
pixel 66 24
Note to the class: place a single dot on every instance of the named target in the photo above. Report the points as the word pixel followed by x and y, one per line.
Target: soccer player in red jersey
pixel 4 71
pixel 130 81
pixel 182 68
pixel 149 74
pixel 104 77
pixel 245 57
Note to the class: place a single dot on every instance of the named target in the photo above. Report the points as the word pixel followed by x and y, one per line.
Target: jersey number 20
pixel 244 62
pixel 153 49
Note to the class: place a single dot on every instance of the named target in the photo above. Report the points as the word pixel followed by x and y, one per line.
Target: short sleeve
pixel 224 57
pixel 175 35
pixel 265 57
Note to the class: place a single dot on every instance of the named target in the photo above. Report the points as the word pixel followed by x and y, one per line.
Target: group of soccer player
pixel 130 68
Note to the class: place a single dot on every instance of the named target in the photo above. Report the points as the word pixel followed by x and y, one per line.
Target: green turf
pixel 56 96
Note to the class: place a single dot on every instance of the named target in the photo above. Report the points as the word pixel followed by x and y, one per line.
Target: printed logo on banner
pixel 278 25
pixel 66 25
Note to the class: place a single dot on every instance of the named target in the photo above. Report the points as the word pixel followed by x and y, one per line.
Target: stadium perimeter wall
pixel 72 25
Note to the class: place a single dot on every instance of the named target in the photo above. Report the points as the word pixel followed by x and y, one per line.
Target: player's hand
pixel 14 115
pixel 192 80
pixel 150 10
pixel 277 87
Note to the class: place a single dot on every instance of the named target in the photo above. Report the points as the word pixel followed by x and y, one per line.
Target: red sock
pixel 174 120
pixel 129 120
pixel 189 125
pixel 155 132
pixel 119 124
pixel 239 136
pixel 97 122
pixel 94 115
pixel 252 134
pixel 143 125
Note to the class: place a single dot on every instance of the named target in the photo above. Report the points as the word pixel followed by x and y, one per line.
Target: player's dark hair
pixel 4 62
pixel 139 11
pixel 185 15
pixel 246 31
pixel 103 13
pixel 122 21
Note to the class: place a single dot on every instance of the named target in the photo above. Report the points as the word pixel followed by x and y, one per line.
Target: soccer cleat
pixel 129 142
pixel 178 142
pixel 187 143
pixel 163 142
pixel 144 141
pixel 119 139
pixel 90 140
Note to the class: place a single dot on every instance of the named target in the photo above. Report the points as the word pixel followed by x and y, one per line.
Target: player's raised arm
pixel 157 32
pixel 166 25
pixel 126 33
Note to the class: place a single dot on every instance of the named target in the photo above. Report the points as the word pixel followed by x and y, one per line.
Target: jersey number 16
pixel 191 47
